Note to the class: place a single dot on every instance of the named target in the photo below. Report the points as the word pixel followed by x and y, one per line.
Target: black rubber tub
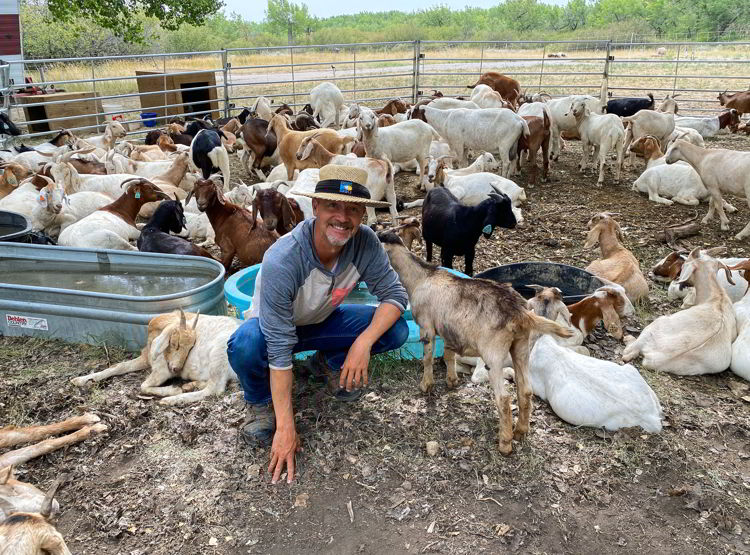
pixel 14 228
pixel 573 282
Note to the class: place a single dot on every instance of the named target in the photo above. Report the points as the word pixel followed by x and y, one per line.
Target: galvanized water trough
pixel 96 296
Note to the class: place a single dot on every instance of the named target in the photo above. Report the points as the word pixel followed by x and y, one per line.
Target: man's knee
pixel 397 335
pixel 246 347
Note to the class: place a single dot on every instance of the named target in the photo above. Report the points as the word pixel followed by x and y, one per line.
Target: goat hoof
pixel 452 382
pixel 518 435
pixel 81 382
pixel 426 387
pixel 505 448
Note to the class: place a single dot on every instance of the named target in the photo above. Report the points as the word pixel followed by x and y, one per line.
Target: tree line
pixel 65 28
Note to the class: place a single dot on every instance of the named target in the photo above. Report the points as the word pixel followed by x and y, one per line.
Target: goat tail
pixel 388 172
pixel 544 325
pixel 651 96
pixel 525 127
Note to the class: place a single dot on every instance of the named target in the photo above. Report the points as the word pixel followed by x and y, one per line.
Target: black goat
pixel 153 136
pixel 7 127
pixel 626 107
pixel 208 154
pixel 242 116
pixel 194 126
pixel 303 122
pixel 155 236
pixel 456 228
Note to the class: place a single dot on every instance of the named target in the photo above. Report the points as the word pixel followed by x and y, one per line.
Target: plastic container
pixel 14 227
pixel 575 283
pixel 240 287
pixel 149 118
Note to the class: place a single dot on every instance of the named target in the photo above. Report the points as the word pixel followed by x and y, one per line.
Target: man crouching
pixel 297 306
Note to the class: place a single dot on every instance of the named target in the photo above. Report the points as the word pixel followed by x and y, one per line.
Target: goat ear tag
pixel 487 229
pixel 137 194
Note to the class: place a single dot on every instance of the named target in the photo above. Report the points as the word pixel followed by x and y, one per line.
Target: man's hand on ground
pixel 354 370
pixel 285 445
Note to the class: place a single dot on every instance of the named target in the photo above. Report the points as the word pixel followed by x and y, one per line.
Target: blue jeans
pixel 247 353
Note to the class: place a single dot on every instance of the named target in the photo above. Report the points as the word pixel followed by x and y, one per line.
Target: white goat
pixel 113 131
pixel 721 171
pixel 586 391
pixel 326 101
pixel 437 149
pixel 397 143
pixel 687 134
pixel 490 130
pixel 380 180
pixel 697 340
pixel 197 353
pixel 447 103
pixel 709 126
pixel 648 122
pixel 735 289
pixel 484 96
pixel 562 120
pixel 741 347
pixel 604 132
pixel 55 210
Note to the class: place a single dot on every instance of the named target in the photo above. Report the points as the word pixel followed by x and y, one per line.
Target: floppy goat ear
pixel 255 212
pixel 609 315
pixel 288 220
pixel 592 237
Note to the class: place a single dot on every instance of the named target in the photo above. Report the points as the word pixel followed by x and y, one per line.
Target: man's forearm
pixel 385 316
pixel 281 393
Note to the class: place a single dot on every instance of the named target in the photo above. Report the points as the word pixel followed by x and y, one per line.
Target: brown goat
pixel 730 119
pixel 12 175
pixel 669 267
pixel 31 533
pixel 409 230
pixel 607 304
pixel 508 87
pixel 276 211
pixel 234 226
pixel 539 136
pixel 386 120
pixel 260 140
pixel 393 107
pixel 617 264
pixel 739 101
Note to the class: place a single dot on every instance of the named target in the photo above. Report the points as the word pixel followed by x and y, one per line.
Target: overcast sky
pixel 253 11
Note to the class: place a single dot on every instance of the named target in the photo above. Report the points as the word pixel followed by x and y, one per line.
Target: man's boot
pixel 259 425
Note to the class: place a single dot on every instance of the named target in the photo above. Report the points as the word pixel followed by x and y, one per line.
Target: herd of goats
pixel 91 192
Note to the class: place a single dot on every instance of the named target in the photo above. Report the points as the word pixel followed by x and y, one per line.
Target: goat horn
pixel 182 320
pixel 47 179
pixel 46 509
pixel 195 322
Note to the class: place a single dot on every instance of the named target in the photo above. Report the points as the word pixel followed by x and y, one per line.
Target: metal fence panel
pixel 374 72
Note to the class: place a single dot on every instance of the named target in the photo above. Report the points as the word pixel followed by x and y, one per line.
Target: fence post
pixel 93 87
pixel 225 65
pixel 417 57
pixel 541 71
pixel 481 60
pixel 605 76
pixel 294 90
pixel 676 68
pixel 354 51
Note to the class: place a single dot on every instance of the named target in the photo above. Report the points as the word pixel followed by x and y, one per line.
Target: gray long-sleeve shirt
pixel 294 289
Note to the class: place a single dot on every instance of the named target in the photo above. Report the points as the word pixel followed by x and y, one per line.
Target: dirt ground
pixel 178 480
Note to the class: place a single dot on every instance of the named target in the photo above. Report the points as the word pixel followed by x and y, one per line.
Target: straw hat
pixel 343 184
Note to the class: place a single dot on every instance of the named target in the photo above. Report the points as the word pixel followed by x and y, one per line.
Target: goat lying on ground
pixel 741 347
pixel 237 232
pixel 113 226
pixel 456 228
pixel 474 317
pixel 586 391
pixel 607 304
pixel 617 263
pixel 710 126
pixel 30 532
pixel 155 236
pixel 697 340
pixel 86 424
pixel 197 353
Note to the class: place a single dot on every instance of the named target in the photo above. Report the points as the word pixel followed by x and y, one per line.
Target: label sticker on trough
pixel 14 320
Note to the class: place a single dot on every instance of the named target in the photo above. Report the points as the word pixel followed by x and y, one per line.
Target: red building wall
pixel 10 35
